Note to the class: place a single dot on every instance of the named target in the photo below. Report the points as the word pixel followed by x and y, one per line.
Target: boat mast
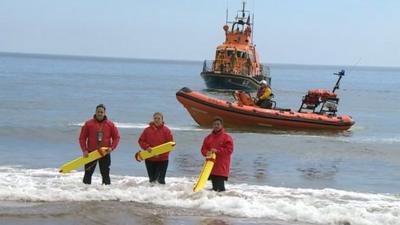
pixel 226 19
pixel 244 5
pixel 252 19
pixel 252 28
pixel 340 74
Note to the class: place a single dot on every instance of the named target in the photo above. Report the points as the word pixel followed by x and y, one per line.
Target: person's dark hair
pixel 101 106
pixel 217 118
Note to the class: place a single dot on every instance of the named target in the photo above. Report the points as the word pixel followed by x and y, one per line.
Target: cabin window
pixel 251 57
pixel 220 54
pixel 240 54
pixel 230 52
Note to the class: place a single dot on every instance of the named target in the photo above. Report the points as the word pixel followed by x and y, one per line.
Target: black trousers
pixel 157 170
pixel 218 182
pixel 104 164
pixel 266 103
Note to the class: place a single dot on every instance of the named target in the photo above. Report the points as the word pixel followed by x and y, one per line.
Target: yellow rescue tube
pixel 205 173
pixel 158 150
pixel 81 161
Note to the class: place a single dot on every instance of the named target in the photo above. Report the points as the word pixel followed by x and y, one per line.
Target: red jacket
pixel 224 144
pixel 153 136
pixel 88 136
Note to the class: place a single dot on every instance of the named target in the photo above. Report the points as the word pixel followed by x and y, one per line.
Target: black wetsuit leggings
pixel 157 170
pixel 104 164
pixel 266 104
pixel 218 182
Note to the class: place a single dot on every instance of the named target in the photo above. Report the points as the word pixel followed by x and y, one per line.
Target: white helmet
pixel 264 82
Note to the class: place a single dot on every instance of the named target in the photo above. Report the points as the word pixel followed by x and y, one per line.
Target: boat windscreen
pixel 251 56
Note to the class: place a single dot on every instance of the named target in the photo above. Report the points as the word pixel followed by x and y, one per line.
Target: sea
pixel 277 177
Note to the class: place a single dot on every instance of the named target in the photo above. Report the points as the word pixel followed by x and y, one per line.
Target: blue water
pixel 44 99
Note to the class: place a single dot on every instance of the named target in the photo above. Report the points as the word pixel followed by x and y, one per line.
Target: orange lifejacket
pixel 244 98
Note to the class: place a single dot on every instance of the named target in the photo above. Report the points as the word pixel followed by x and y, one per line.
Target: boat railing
pixel 265 70
pixel 208 66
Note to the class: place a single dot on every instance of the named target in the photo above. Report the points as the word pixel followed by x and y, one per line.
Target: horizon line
pixel 47 55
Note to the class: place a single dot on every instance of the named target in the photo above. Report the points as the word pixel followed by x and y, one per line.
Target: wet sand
pixel 113 212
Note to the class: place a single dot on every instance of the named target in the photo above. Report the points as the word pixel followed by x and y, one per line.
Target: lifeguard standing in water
pixel 97 133
pixel 220 143
pixel 155 134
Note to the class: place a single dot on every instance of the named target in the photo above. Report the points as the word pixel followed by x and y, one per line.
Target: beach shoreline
pixel 114 212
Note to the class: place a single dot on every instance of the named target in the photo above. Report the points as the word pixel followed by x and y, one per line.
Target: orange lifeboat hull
pixel 204 109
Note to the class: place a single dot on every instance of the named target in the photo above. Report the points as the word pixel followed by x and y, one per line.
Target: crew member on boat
pixel 264 95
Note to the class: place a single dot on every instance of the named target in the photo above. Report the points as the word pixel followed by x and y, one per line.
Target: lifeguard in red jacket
pixel 96 133
pixel 221 143
pixel 156 134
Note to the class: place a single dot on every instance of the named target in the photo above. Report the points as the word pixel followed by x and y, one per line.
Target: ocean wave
pixel 326 206
pixel 372 140
pixel 357 128
pixel 144 125
pixel 297 133
pixel 385 140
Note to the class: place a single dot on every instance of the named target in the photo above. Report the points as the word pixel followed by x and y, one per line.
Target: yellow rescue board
pixel 81 161
pixel 164 148
pixel 205 173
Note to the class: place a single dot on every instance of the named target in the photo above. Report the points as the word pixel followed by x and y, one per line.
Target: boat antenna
pixel 355 64
pixel 244 5
pixel 252 22
pixel 252 27
pixel 226 19
pixel 341 74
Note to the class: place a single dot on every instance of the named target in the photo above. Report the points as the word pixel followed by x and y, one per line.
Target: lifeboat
pixel 237 65
pixel 317 111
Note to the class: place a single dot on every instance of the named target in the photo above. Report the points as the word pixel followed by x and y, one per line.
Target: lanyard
pixel 99 134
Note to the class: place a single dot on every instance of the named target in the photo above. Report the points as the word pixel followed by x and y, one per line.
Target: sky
pixel 314 32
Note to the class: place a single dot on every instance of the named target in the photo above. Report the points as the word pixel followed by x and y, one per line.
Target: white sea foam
pixel 144 125
pixel 357 128
pixel 384 140
pixel 327 206
pixel 366 140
